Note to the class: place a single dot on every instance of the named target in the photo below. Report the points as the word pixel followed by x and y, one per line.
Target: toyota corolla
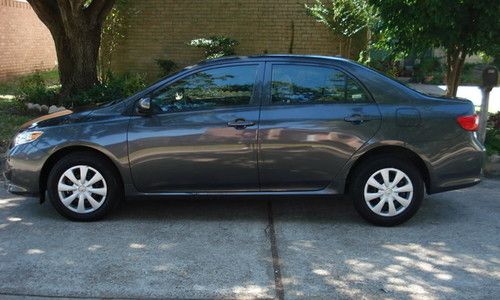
pixel 264 125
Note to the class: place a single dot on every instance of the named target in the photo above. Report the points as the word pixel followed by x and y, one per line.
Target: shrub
pixel 428 70
pixel 167 66
pixel 494 121
pixel 492 141
pixel 386 66
pixel 33 88
pixel 471 73
pixel 435 78
pixel 113 87
pixel 215 46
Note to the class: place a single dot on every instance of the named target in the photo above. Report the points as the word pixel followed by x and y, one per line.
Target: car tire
pixel 377 196
pixel 87 199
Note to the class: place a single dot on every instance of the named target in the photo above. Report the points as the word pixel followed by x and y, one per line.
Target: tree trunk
pixel 341 40
pixel 455 62
pixel 76 27
pixel 349 42
pixel 292 38
pixel 77 54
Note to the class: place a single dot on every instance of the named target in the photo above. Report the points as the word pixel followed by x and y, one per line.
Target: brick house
pixel 25 43
pixel 162 29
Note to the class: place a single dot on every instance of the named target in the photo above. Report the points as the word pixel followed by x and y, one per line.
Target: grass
pixel 12 115
pixel 10 86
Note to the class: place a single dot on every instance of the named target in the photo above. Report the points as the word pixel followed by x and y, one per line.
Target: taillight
pixel 469 123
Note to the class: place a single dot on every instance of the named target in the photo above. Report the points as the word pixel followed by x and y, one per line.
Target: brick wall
pixel 162 28
pixel 25 43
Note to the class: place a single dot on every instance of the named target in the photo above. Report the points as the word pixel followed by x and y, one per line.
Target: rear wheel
pixel 387 191
pixel 83 187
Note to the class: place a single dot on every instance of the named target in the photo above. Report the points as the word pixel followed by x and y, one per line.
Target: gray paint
pixel 194 151
pixel 301 147
pixel 306 149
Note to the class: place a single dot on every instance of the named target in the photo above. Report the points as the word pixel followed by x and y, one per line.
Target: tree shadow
pixel 219 247
pixel 450 249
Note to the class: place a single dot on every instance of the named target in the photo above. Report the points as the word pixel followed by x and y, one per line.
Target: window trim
pixel 267 99
pixel 255 99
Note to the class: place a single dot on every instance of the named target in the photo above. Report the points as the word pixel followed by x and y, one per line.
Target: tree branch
pixel 68 17
pixel 76 6
pixel 98 10
pixel 48 12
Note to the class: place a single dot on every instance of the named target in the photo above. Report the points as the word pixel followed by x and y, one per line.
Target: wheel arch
pixel 392 150
pixel 60 153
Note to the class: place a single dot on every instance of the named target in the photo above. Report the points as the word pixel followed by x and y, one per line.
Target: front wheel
pixel 387 191
pixel 83 187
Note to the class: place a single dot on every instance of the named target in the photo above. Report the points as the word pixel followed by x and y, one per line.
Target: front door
pixel 203 135
pixel 314 119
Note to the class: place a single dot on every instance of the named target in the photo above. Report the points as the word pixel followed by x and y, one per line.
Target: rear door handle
pixel 240 123
pixel 355 119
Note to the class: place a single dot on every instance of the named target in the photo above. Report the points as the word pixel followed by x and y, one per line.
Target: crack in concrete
pixel 278 283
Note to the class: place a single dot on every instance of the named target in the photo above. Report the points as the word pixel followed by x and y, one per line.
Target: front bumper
pixel 17 189
pixel 22 170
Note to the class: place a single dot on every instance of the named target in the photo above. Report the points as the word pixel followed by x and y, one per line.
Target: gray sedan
pixel 264 125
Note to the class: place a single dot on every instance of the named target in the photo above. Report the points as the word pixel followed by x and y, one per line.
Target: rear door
pixel 314 118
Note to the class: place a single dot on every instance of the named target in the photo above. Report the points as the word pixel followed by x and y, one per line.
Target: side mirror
pixel 144 106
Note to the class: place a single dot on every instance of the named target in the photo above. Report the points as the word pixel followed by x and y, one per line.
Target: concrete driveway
pixel 254 248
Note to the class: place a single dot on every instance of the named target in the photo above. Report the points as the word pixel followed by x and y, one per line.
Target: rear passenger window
pixel 301 84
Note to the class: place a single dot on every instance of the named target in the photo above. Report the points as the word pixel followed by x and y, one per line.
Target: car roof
pixel 265 57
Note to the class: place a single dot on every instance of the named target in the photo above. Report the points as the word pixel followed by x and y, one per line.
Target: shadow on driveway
pixel 214 247
pixel 450 249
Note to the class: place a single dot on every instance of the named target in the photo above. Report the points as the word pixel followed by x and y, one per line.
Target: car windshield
pixel 109 103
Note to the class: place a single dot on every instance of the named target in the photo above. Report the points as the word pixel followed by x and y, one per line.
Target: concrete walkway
pixel 254 248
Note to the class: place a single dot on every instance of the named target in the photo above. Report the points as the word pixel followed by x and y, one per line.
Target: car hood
pixel 58 118
pixel 70 117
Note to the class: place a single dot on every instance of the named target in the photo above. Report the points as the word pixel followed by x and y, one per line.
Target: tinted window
pixel 300 84
pixel 226 86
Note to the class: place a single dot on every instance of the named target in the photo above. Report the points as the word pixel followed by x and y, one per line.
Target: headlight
pixel 27 137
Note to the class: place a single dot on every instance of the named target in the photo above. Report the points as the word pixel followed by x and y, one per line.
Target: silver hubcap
pixel 388 192
pixel 82 189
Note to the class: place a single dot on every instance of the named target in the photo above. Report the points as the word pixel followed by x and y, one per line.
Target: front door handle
pixel 355 119
pixel 240 123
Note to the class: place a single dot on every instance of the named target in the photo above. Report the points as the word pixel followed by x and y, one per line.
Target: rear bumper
pixel 456 186
pixel 459 167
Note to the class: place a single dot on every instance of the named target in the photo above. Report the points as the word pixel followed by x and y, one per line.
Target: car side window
pixel 305 84
pixel 214 88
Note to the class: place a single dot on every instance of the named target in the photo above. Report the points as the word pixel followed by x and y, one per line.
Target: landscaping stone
pixel 37 107
pixel 53 109
pixel 44 108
